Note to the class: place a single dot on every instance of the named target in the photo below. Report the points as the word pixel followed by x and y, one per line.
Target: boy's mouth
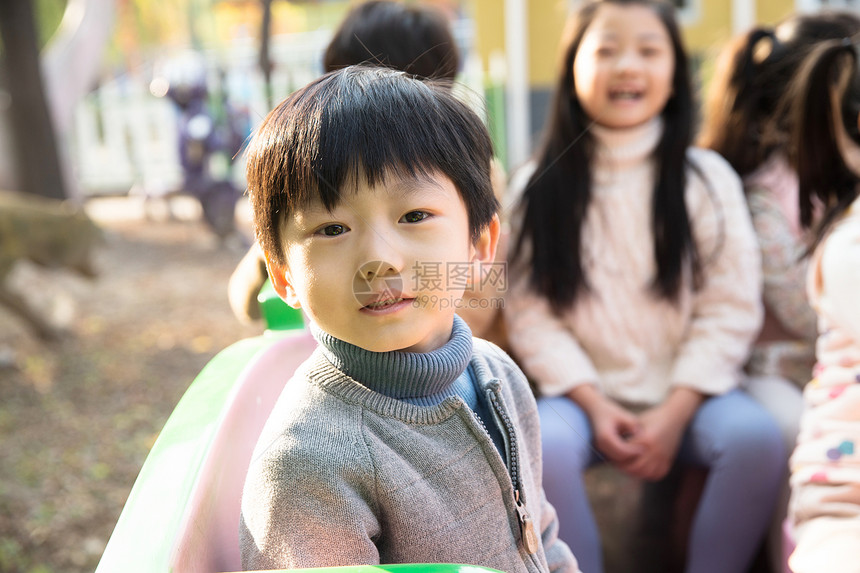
pixel 381 304
pixel 384 302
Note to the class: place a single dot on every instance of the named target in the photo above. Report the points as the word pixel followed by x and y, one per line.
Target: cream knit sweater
pixel 631 345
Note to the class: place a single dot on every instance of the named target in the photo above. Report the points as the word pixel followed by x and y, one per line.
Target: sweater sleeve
pixel 558 555
pixel 727 311
pixel 783 268
pixel 825 478
pixel 825 482
pixel 543 346
pixel 307 503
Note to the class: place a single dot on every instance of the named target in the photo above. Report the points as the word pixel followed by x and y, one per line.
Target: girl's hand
pixel 661 430
pixel 613 425
pixel 659 439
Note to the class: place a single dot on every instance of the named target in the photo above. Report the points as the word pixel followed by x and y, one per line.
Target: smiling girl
pixel 636 290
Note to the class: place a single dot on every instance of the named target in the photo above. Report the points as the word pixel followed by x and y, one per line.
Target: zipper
pixel 527 529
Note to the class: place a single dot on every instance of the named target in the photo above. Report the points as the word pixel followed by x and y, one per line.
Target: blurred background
pixel 107 65
pixel 133 112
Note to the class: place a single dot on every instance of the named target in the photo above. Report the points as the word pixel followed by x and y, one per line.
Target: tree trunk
pixel 265 60
pixel 33 136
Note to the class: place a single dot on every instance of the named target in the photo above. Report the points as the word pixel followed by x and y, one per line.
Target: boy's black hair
pixel 743 121
pixel 364 124
pixel 415 39
pixel 557 196
pixel 830 75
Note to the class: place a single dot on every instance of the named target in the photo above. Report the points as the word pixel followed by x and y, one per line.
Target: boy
pixel 402 439
pixel 417 39
pixel 413 38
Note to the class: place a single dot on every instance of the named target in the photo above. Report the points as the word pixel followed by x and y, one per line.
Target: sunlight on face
pixel 360 271
pixel 624 66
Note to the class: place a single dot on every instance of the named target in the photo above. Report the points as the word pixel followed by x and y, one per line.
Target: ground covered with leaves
pixel 78 416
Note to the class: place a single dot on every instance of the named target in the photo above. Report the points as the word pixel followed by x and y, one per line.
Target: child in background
pixel 742 125
pixel 746 126
pixel 638 291
pixel 402 439
pixel 825 506
pixel 416 39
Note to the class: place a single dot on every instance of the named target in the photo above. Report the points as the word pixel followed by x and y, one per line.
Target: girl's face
pixel 624 66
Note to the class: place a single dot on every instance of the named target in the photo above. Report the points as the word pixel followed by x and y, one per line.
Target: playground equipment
pixel 182 514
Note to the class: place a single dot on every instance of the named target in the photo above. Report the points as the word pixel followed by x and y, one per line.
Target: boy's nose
pixel 375 269
pixel 383 249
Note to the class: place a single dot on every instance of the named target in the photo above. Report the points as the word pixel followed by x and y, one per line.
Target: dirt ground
pixel 78 416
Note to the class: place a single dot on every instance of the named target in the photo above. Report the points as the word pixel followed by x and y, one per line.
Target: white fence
pixel 125 139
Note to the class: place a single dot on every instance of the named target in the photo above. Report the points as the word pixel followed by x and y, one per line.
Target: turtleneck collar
pixel 400 374
pixel 620 148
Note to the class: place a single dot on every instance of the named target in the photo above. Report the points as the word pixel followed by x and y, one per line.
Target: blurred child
pixel 402 439
pixel 416 39
pixel 744 123
pixel 638 292
pixel 825 506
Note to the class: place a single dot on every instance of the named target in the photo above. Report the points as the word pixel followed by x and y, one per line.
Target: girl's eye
pixel 415 216
pixel 605 51
pixel 332 230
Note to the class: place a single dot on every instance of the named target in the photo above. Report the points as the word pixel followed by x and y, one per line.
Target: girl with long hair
pixel 636 292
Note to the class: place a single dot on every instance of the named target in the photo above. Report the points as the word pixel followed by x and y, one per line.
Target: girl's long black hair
pixel 824 100
pixel 557 196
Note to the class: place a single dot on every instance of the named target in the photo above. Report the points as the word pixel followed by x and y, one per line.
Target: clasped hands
pixel 643 445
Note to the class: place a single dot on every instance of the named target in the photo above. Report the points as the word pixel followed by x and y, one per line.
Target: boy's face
pixel 383 270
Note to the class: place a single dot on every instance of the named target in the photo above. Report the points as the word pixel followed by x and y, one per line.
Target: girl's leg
pixel 740 444
pixel 567 452
pixel 784 402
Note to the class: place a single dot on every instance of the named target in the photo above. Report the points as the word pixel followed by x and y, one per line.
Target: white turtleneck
pixel 620 337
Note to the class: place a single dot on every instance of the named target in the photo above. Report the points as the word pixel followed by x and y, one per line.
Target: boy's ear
pixel 280 277
pixel 488 241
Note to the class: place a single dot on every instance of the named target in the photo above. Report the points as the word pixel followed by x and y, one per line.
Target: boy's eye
pixel 415 216
pixel 332 230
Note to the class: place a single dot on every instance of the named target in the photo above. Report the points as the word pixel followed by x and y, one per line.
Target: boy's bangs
pixel 381 131
pixel 364 125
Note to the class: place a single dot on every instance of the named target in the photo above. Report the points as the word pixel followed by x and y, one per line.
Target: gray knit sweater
pixel 346 475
